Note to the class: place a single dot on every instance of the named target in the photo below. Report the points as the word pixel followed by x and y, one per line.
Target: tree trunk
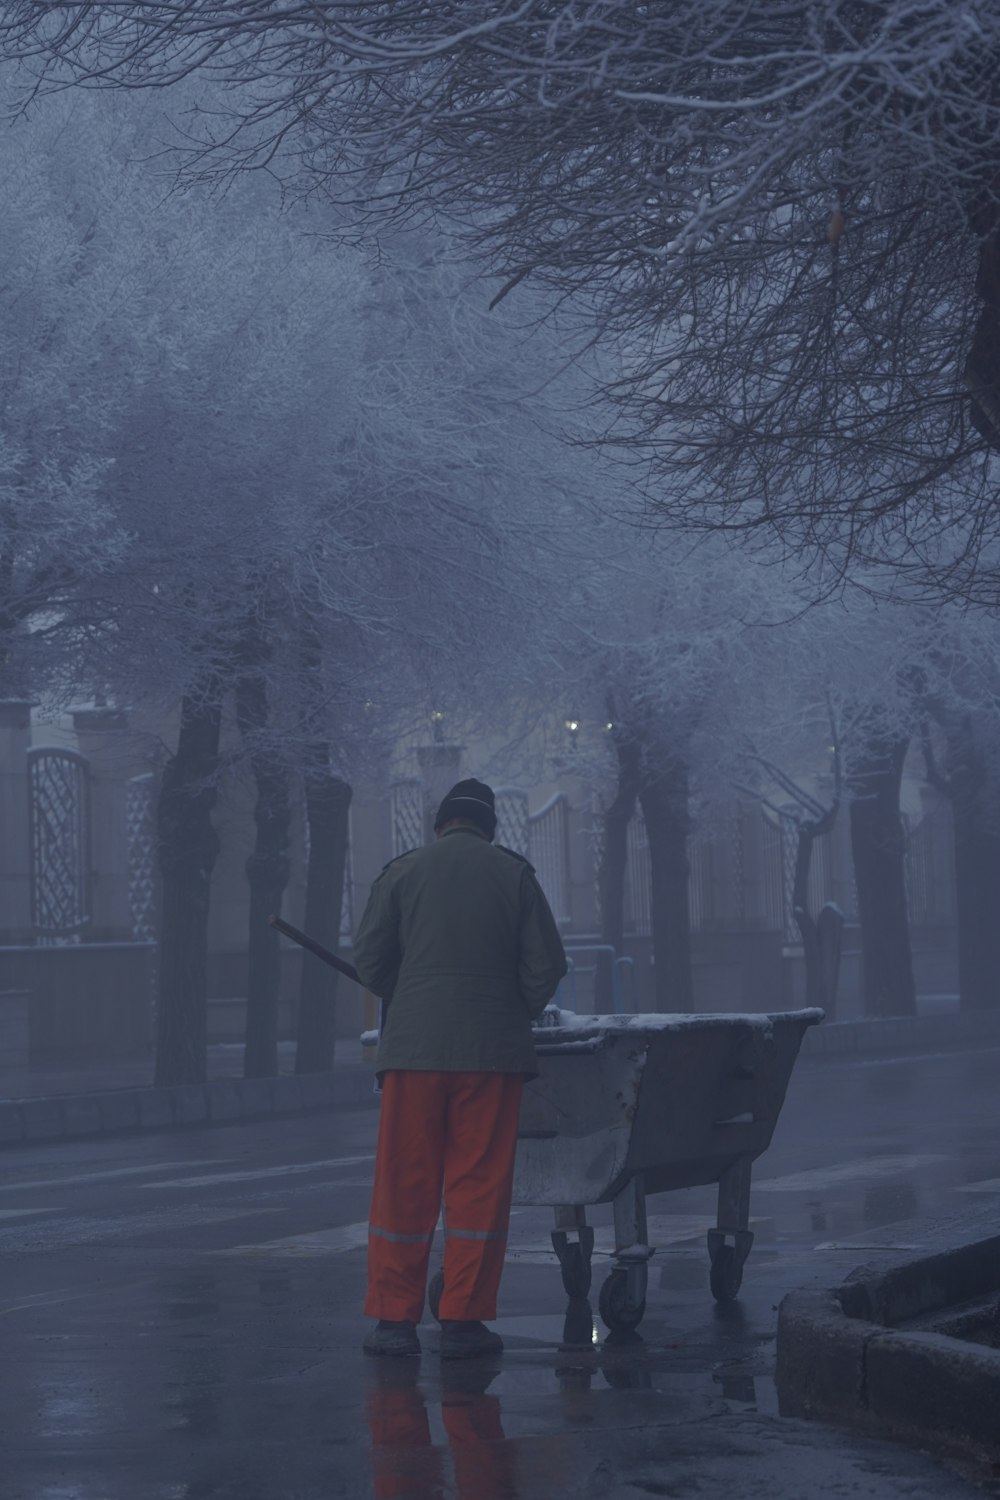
pixel 976 815
pixel 267 871
pixel 820 938
pixel 878 847
pixel 187 848
pixel 804 921
pixel 614 859
pixel 664 800
pixel 328 802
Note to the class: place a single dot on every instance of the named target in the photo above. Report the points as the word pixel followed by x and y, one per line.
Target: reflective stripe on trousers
pixel 474 1234
pixel 401 1239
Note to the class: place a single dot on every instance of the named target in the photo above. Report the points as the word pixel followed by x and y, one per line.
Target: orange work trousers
pixel 450 1133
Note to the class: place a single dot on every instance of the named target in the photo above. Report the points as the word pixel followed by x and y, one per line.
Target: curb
pixel 899 1035
pixel 222 1101
pixel 226 1100
pixel 840 1357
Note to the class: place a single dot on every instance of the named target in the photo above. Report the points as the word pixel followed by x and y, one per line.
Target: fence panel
pixel 407 808
pixel 140 823
pixel 638 879
pixel 548 850
pixel 701 884
pixel 930 871
pixel 59 819
pixel 513 820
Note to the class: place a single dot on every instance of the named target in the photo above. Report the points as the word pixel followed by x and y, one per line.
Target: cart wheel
pixel 616 1316
pixel 575 1269
pixel 726 1275
pixel 435 1291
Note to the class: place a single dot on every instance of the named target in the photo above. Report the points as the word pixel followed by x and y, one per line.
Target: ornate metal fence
pixel 542 837
pixel 772 874
pixel 140 822
pixel 548 850
pixel 59 820
pixel 638 881
pixel 702 876
pixel 513 820
pixel 930 870
pixel 407 810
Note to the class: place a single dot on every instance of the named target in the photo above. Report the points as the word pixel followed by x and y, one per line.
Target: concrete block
pixel 936 1390
pixel 286 1094
pixel 355 1087
pixel 42 1118
pixel 922 1286
pixel 14 1028
pixel 11 1124
pixel 120 1110
pixel 223 1096
pixel 820 1358
pixel 190 1103
pixel 256 1097
pixel 82 1114
pixel 155 1108
pixel 316 1090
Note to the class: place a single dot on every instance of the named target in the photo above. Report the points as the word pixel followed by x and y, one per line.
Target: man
pixel 459 942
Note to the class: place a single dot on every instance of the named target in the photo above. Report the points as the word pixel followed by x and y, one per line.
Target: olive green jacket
pixel 458 938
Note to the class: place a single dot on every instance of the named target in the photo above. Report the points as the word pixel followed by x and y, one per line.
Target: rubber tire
pixel 726 1275
pixel 611 1305
pixel 575 1272
pixel 435 1291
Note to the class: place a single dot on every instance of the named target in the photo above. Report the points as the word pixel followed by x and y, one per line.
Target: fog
pixel 352 447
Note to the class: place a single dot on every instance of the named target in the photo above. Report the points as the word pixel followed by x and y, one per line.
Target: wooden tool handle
pixel 311 944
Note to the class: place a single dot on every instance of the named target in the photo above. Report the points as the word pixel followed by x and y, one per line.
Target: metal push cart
pixel 625 1106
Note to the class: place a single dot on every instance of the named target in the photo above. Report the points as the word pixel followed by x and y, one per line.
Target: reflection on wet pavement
pixel 405 1459
pixel 890 1203
pixel 485 1410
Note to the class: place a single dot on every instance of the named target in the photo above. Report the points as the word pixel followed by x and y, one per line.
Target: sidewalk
pixel 225 1060
pixel 938 1026
pixel 46 1104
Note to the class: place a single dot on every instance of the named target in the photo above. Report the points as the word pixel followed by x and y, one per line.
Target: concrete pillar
pixel 15 862
pixel 101 735
pixel 371 841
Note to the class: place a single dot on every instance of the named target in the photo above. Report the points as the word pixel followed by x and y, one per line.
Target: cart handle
pixel 562 1049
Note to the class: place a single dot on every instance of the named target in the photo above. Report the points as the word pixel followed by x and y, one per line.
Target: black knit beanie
pixel 470 799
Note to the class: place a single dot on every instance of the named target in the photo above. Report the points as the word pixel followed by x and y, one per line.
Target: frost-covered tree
pixel 663 672
pixel 836 714
pixel 957 689
pixel 66 362
pixel 788 218
pixel 329 492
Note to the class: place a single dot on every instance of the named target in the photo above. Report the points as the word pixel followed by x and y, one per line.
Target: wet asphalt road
pixel 179 1317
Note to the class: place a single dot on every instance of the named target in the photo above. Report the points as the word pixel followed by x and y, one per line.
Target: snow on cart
pixel 629 1105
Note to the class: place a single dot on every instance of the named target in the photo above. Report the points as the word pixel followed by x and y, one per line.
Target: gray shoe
pixel 468 1340
pixel 393 1338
